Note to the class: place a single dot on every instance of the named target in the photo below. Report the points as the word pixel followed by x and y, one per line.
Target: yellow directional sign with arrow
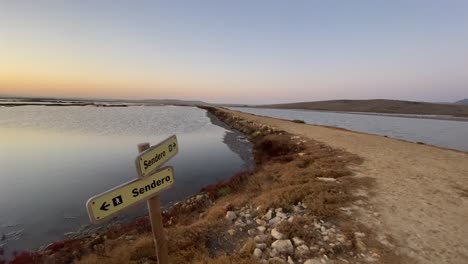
pixel 155 156
pixel 107 204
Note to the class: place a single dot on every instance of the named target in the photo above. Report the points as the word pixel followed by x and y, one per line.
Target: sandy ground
pixel 419 205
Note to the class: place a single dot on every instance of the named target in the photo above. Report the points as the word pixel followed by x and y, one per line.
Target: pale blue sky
pixel 236 51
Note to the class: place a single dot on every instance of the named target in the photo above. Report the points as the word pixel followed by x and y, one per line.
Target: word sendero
pixel 155 159
pixel 107 204
pixel 155 156
pixel 151 186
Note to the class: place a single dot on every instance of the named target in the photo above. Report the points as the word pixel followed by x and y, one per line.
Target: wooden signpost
pixel 150 182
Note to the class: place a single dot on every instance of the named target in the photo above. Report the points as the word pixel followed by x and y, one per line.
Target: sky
pixel 235 51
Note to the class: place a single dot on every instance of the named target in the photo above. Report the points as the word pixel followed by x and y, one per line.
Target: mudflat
pixel 418 206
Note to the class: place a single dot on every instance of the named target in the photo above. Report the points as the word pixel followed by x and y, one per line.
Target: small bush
pixel 299 121
pixel 224 191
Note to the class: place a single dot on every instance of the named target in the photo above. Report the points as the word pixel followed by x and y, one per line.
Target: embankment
pixel 311 199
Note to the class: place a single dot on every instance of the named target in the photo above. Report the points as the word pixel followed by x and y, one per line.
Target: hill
pixel 379 106
pixel 462 102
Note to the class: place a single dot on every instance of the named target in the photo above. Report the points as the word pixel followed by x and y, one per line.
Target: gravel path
pixel 419 206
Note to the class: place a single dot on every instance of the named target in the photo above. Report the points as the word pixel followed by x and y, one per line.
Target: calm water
pixel 52 159
pixel 444 133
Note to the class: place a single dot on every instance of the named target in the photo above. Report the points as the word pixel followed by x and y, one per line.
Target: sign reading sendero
pixel 107 204
pixel 155 156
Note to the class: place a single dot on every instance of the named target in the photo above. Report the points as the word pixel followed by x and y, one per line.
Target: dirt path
pixel 419 206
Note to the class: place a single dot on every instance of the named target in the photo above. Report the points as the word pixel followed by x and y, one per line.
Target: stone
pixel 290 260
pixel 231 232
pixel 302 251
pixel 268 215
pixel 278 210
pixel 283 246
pixel 297 241
pixel 261 246
pixel 341 238
pixel 260 222
pixel 239 223
pixel 359 234
pixel 231 216
pixel 291 219
pixel 325 179
pixel 276 260
pixel 312 261
pixel 281 215
pixel 261 238
pixel 273 253
pixel 252 232
pixel 314 248
pixel 277 235
pixel 261 229
pixel 301 154
pixel 274 221
pixel 257 253
pixel 360 245
pixel 129 237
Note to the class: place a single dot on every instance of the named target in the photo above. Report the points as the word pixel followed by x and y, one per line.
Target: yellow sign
pixel 107 204
pixel 156 156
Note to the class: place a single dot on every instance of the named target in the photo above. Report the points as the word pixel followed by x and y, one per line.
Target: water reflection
pixel 52 162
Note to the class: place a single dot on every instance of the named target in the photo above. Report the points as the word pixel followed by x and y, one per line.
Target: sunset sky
pixel 235 51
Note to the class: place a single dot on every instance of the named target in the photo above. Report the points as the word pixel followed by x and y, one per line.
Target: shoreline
pixel 402 115
pixel 320 188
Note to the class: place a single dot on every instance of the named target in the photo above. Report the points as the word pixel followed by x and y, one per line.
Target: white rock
pixel 257 253
pixel 325 179
pixel 301 154
pixel 261 229
pixel 268 215
pixel 277 210
pixel 291 219
pixel 290 261
pixel 231 232
pixel 277 235
pixel 341 238
pixel 275 260
pixel 230 215
pixel 261 222
pixel 239 223
pixel 302 251
pixel 359 234
pixel 274 221
pixel 312 261
pixel 252 232
pixel 297 241
pixel 283 246
pixel 281 215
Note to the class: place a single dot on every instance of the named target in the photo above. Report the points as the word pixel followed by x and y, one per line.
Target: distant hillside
pixel 379 106
pixel 462 102
pixel 171 102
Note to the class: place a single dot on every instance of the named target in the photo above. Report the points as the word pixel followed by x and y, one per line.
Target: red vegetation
pixel 233 183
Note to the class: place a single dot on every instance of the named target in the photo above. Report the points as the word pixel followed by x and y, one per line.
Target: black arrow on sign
pixel 104 206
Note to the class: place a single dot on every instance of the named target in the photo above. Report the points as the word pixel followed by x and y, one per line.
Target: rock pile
pixel 323 243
